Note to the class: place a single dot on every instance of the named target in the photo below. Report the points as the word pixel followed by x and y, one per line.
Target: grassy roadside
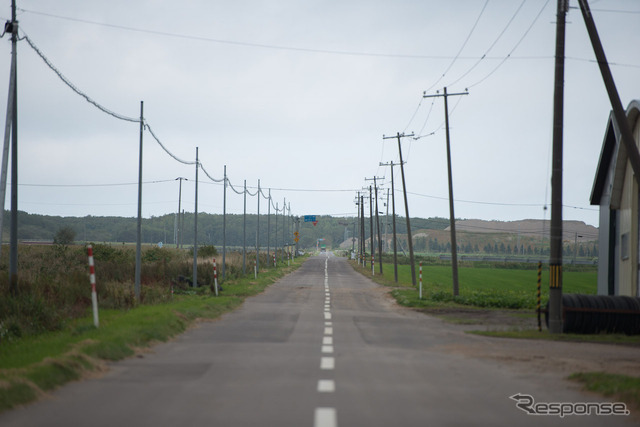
pixel 621 388
pixel 500 290
pixel 33 365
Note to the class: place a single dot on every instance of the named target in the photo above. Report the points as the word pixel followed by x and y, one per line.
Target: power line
pixel 244 44
pixel 73 87
pixel 514 47
pixel 461 47
pixel 492 45
pixel 95 185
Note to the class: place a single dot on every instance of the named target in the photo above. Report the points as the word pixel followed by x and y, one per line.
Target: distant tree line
pixel 588 250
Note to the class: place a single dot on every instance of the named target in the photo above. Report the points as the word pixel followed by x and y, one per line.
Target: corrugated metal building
pixel 616 190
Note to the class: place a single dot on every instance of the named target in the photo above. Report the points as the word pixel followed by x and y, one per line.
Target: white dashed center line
pixel 327 363
pixel 325 417
pixel 326 386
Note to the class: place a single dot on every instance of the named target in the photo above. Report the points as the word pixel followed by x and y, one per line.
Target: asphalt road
pixel 321 347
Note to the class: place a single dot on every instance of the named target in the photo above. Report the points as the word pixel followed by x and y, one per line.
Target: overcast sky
pixel 298 94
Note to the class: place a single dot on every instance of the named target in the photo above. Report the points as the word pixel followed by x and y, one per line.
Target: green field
pixel 482 286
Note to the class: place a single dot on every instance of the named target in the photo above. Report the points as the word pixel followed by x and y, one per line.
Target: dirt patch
pixel 487 319
pixel 534 355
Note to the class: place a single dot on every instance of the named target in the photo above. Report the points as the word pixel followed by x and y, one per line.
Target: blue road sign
pixel 309 218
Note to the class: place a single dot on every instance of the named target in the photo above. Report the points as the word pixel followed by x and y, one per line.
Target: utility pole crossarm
pixel 424 95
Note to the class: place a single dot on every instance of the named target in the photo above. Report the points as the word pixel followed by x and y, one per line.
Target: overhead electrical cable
pixel 192 162
pixel 514 47
pixel 251 44
pixel 209 176
pixel 73 87
pixel 95 185
pixel 492 45
pixel 461 47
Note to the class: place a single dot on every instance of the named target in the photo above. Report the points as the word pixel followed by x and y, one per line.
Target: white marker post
pixel 215 277
pixel 420 293
pixel 92 279
pixel 373 270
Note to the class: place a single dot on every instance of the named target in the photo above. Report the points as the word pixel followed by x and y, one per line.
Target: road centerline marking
pixel 327 363
pixel 325 417
pixel 326 386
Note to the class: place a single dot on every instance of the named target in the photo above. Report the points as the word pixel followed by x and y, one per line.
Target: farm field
pixel 481 286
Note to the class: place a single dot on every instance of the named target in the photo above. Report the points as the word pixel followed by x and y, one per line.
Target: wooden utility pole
pixel 375 186
pixel 406 205
pixel 378 236
pixel 555 256
pixel 614 97
pixel 452 216
pixel 138 267
pixel 11 142
pixel 393 216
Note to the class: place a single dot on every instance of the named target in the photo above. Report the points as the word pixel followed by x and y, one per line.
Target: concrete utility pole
pixel 363 249
pixel 244 229
pixel 379 236
pixel 555 258
pixel 195 229
pixel 178 239
pixel 284 226
pixel 452 216
pixel 136 286
pixel 269 229
pixel 358 225
pixel 224 224
pixel 386 223
pixel 373 251
pixel 393 216
pixel 258 232
pixel 406 205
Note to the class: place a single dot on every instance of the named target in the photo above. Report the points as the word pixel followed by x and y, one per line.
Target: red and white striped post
pixel 420 292
pixel 288 258
pixel 274 259
pixel 215 277
pixel 373 270
pixel 92 279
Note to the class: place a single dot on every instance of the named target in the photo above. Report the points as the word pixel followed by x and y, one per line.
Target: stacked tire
pixel 595 314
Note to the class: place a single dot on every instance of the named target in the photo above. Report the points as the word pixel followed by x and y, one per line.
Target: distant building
pixel 616 191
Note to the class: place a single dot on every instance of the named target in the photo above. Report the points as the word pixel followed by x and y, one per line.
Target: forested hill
pixel 33 227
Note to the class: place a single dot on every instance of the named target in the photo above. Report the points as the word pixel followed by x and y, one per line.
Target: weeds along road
pixel 323 346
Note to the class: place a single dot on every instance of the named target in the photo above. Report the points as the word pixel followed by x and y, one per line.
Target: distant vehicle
pixel 323 248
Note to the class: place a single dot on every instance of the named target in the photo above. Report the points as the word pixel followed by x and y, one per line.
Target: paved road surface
pixel 321 347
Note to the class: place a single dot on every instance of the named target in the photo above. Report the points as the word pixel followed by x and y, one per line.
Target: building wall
pixel 628 239
pixel 626 235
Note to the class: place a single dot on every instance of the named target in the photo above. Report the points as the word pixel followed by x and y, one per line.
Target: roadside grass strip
pixel 33 365
pixel 617 387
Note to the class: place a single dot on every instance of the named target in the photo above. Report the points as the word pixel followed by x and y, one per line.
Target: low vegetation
pixel 618 387
pixel 486 285
pixel 47 337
